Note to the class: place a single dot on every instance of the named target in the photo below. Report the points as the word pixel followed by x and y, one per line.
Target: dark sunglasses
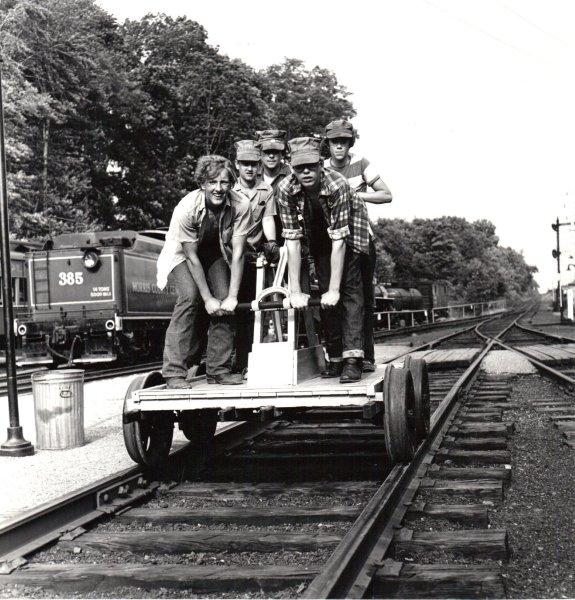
pixel 306 167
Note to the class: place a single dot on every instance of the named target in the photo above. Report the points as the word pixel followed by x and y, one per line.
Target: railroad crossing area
pixel 52 473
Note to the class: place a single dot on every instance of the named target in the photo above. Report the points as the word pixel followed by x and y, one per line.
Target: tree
pixel 193 101
pixel 304 101
pixel 467 255
pixel 61 52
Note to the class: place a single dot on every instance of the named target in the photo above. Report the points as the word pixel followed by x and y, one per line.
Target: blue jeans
pixel 343 325
pixel 181 337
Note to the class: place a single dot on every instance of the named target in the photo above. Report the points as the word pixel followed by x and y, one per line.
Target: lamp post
pixel 15 445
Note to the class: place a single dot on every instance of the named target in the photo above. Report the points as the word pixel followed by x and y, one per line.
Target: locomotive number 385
pixel 70 278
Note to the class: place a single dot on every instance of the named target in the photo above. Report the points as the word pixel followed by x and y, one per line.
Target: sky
pixel 467 107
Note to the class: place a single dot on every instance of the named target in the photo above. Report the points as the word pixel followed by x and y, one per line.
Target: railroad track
pixel 304 509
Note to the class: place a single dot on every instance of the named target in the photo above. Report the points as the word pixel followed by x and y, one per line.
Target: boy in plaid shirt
pixel 318 205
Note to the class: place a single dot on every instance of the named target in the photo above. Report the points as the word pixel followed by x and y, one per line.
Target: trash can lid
pixel 59 375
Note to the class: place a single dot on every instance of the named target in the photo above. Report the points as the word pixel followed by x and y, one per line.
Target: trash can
pixel 59 408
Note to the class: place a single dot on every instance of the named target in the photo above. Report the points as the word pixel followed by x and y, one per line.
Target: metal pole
pixel 15 445
pixel 559 299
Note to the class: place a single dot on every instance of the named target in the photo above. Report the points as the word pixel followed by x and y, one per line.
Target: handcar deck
pixel 313 393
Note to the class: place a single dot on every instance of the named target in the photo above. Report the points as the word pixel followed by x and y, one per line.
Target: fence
pixel 395 319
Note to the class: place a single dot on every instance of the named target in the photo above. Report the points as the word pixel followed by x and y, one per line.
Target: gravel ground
pixel 539 507
pixel 89 556
pixel 505 361
pixel 303 500
pixel 339 527
pixel 134 592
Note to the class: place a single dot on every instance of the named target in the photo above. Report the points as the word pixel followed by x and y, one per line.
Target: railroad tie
pixel 472 543
pixel 401 580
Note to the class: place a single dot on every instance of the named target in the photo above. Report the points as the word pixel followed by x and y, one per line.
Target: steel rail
pixel 558 375
pixel 33 529
pixel 349 571
pixel 378 335
pixel 560 338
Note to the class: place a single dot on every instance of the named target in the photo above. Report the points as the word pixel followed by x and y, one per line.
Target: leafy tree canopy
pixel 465 254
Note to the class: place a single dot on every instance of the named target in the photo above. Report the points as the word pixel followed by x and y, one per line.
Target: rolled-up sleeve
pixel 289 217
pixel 340 212
pixel 242 219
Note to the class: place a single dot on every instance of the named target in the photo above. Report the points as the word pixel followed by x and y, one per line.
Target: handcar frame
pixel 283 381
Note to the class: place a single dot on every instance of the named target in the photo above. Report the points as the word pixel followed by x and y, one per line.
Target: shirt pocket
pixel 258 210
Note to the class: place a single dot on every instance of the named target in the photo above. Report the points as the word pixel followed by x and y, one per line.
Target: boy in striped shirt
pixel 365 181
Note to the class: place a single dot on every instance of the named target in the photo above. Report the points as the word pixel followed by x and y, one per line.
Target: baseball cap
pixel 272 139
pixel 247 150
pixel 304 150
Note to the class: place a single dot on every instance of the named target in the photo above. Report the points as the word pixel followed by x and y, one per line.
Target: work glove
pixel 271 251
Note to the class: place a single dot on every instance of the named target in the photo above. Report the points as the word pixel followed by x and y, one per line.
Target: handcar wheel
pixel 199 426
pixel 418 369
pixel 148 439
pixel 399 415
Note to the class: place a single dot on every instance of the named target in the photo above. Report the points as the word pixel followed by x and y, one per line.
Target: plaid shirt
pixel 344 211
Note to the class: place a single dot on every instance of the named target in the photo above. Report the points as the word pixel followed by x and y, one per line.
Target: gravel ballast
pixel 539 507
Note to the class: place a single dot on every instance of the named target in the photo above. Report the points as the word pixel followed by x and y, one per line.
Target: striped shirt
pixel 344 211
pixel 359 173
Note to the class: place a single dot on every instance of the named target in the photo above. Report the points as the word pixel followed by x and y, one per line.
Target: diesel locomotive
pixel 19 270
pixel 93 298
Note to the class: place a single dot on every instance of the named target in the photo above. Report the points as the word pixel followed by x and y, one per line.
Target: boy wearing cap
pixel 272 143
pixel 361 175
pixel 336 227
pixel 261 238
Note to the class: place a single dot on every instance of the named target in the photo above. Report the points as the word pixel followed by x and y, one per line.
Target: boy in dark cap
pixel 336 227
pixel 272 143
pixel 368 186
pixel 261 238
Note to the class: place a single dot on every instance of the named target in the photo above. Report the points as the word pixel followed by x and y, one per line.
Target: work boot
pixel 352 368
pixel 176 383
pixel 333 369
pixel 368 366
pixel 226 378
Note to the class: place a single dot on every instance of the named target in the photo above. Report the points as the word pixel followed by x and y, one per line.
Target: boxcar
pixel 93 298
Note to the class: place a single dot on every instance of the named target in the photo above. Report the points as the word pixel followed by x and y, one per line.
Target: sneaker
pixel 176 383
pixel 368 366
pixel 333 369
pixel 351 370
pixel 226 379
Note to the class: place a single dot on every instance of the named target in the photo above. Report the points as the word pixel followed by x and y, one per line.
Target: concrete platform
pixel 32 480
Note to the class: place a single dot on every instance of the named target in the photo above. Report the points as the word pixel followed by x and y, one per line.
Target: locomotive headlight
pixel 22 329
pixel 91 260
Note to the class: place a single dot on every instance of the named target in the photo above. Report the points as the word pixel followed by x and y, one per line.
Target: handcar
pixel 93 298
pixel 283 381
